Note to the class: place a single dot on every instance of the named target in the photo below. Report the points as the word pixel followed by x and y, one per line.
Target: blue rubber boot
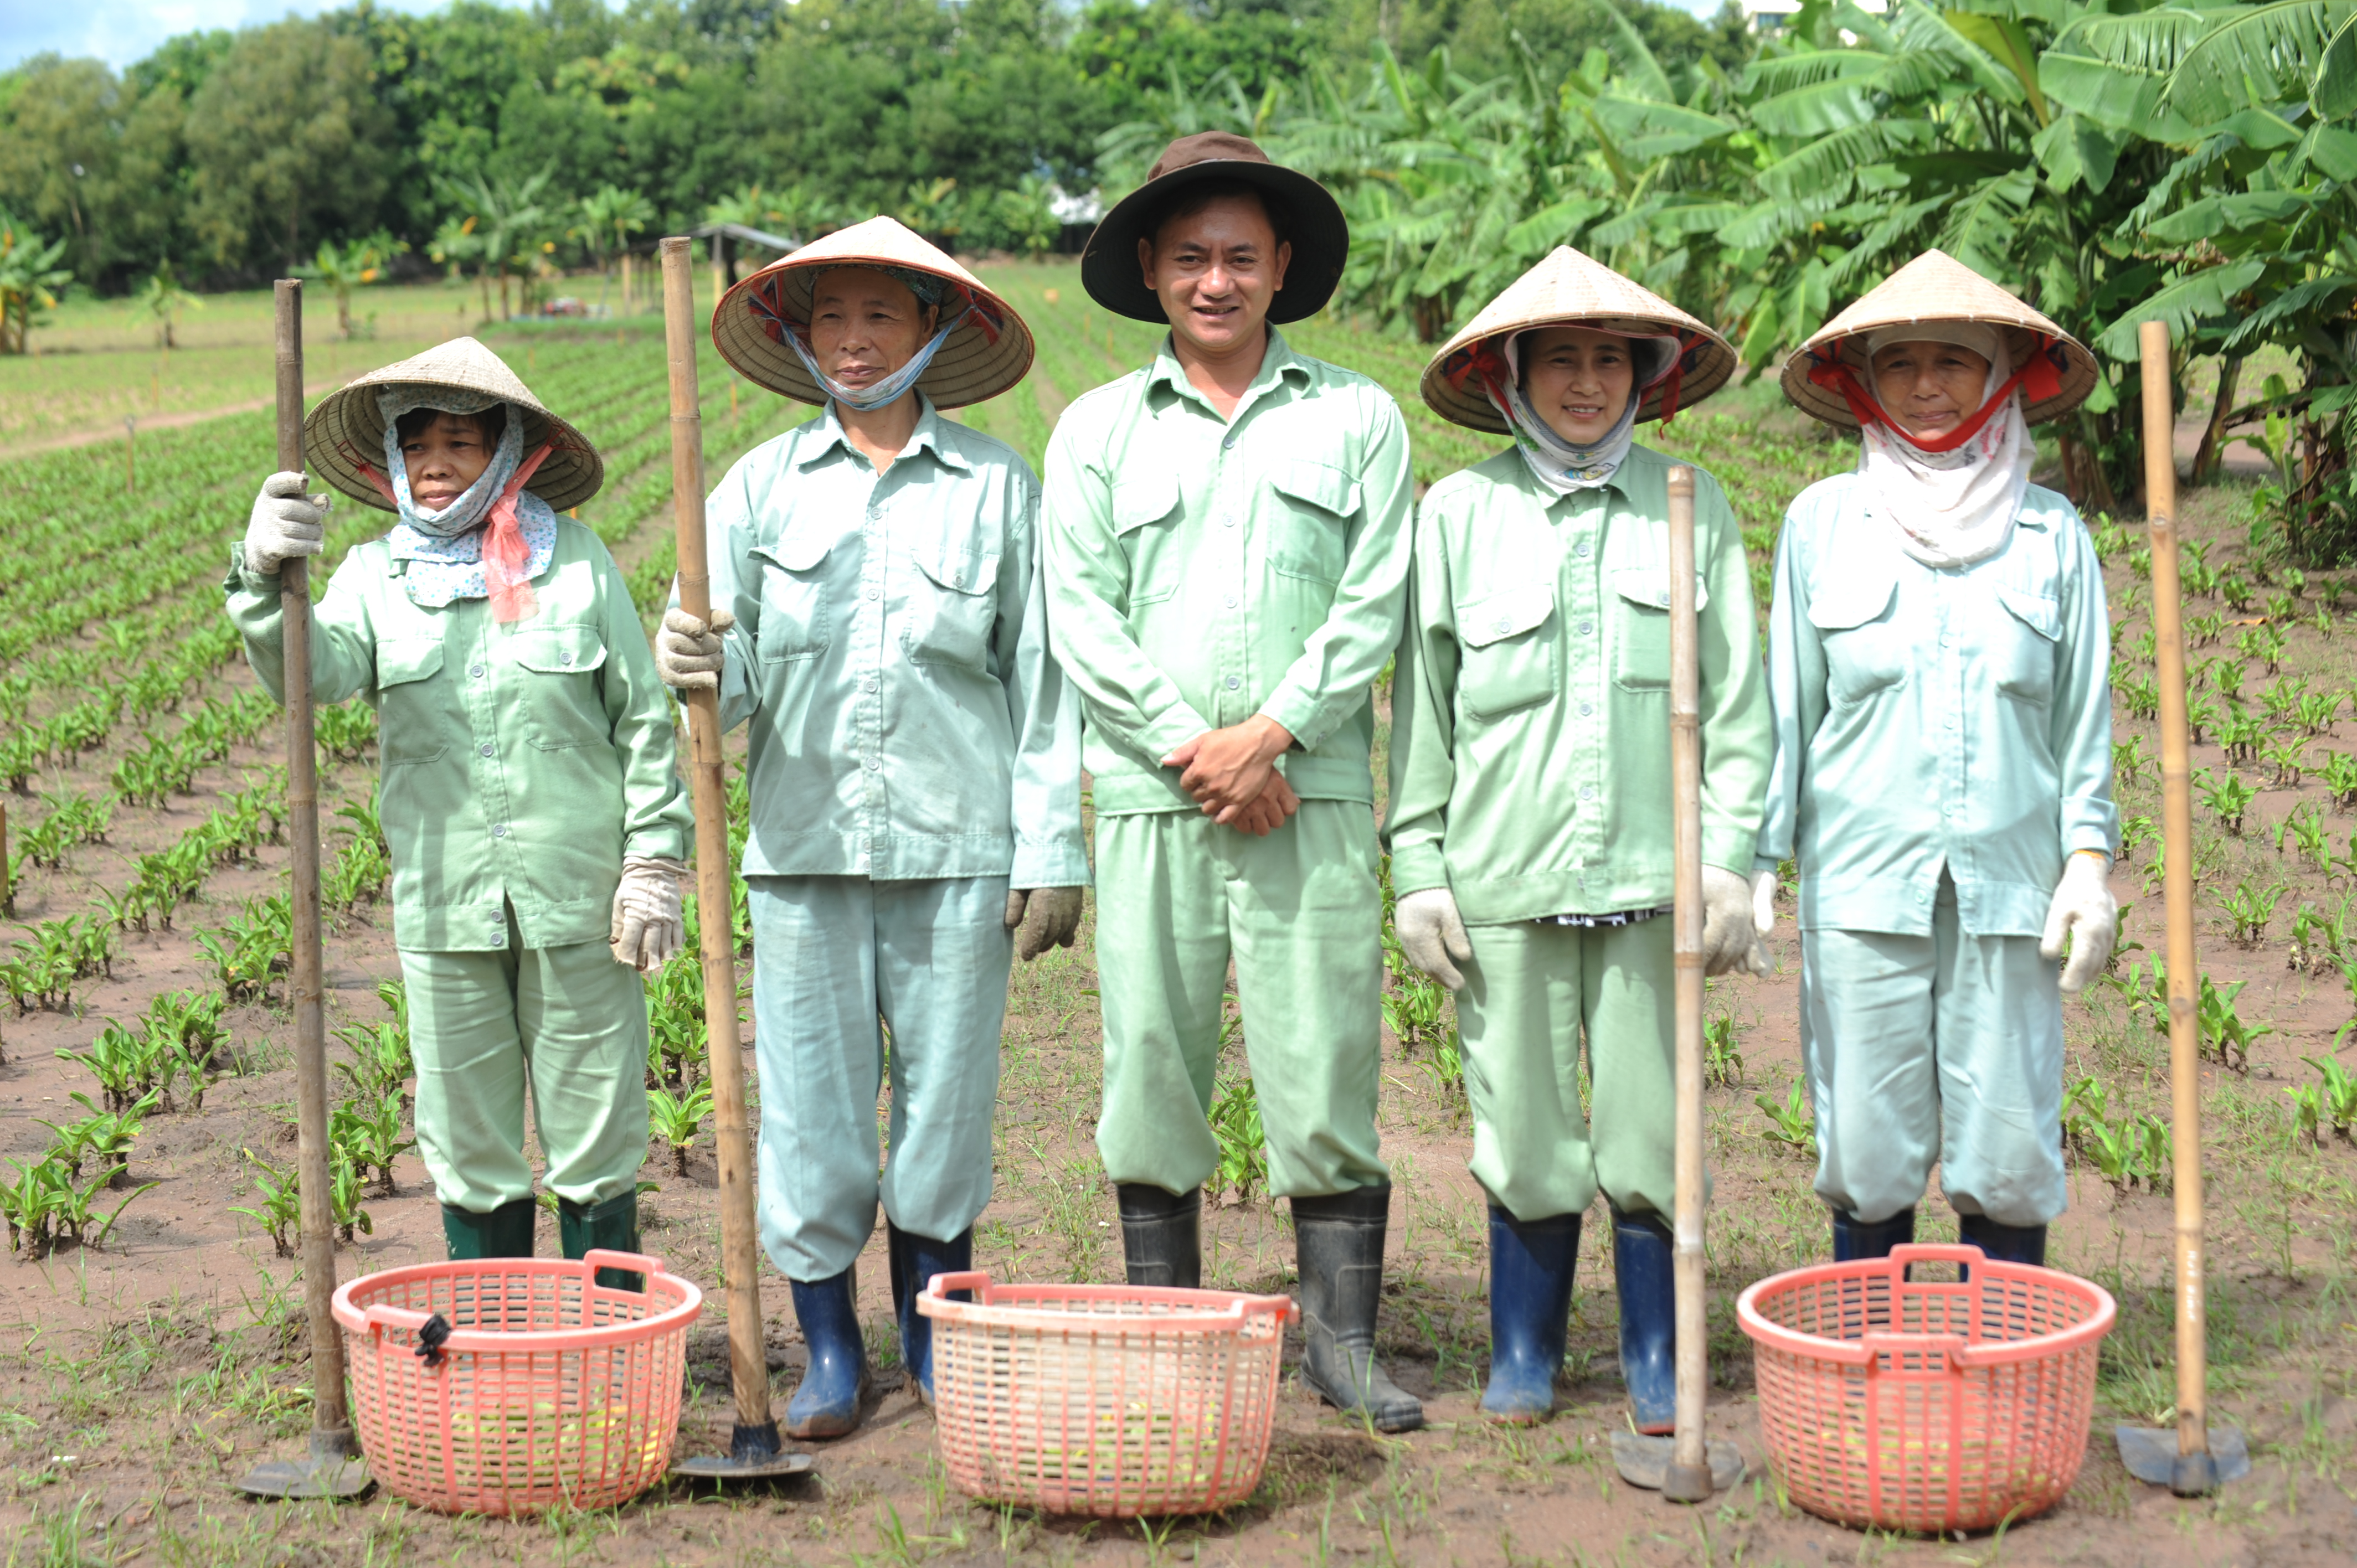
pixel 2005 1243
pixel 915 1260
pixel 1855 1237
pixel 1648 1319
pixel 1530 1301
pixel 832 1390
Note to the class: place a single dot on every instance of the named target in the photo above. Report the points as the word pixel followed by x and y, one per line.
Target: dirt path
pixel 312 391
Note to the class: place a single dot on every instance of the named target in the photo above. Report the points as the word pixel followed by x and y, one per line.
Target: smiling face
pixel 444 459
pixel 1579 380
pixel 1216 272
pixel 1929 388
pixel 865 325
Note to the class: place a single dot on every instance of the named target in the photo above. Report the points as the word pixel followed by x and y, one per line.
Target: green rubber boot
pixel 613 1225
pixel 504 1232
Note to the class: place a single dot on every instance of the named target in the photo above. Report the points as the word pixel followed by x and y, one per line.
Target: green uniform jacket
pixel 521 763
pixel 1934 721
pixel 1201 571
pixel 1529 766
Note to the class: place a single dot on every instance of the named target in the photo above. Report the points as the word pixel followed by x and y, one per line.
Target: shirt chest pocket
pixel 1145 520
pixel 2026 627
pixel 416 718
pixel 952 608
pixel 1310 539
pixel 793 598
pixel 1508 642
pixel 562 692
pixel 1865 650
pixel 1640 627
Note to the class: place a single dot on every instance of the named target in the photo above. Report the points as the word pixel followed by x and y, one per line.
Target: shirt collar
pixel 1277 361
pixel 827 435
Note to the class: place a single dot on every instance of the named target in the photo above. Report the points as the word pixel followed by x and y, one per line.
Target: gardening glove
pixel 649 929
pixel 1049 917
pixel 2083 910
pixel 1431 934
pixel 687 652
pixel 285 523
pixel 1730 939
pixel 1763 903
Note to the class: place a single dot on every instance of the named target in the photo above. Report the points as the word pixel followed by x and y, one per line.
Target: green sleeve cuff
pixel 1417 866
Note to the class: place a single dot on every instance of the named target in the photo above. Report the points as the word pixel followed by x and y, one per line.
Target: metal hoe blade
pixel 1645 1461
pixel 2150 1454
pixel 754 1455
pixel 329 1470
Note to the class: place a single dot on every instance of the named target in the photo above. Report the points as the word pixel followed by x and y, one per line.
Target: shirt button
pixel 869 685
pixel 568 661
pixel 1587 792
pixel 1503 624
pixel 501 832
pixel 874 763
pixel 1230 601
pixel 1228 443
pixel 1228 519
pixel 875 593
pixel 874 512
pixel 1585 627
pixel 1586 711
pixel 499 939
pixel 487 749
pixel 476 671
pixel 1581 548
pixel 1234 682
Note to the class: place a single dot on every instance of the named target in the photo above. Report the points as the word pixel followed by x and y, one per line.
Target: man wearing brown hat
pixel 1227 545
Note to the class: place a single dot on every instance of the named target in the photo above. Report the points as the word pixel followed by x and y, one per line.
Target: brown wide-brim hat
pixel 1935 286
pixel 1304 210
pixel 347 430
pixel 989 352
pixel 1567 289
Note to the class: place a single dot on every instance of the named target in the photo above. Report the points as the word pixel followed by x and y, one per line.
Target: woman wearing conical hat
pixel 913 756
pixel 528 793
pixel 1939 659
pixel 1529 819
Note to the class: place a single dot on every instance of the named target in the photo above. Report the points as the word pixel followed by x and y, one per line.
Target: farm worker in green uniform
pixel 1227 537
pixel 529 793
pixel 1939 657
pixel 1530 820
pixel 913 757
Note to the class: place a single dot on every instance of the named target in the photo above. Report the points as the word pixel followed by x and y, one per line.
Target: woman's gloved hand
pixel 1730 937
pixel 649 927
pixel 285 523
pixel 1763 903
pixel 1044 916
pixel 1431 933
pixel 2084 911
pixel 688 654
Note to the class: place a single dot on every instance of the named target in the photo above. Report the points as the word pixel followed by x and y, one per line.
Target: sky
pixel 122 31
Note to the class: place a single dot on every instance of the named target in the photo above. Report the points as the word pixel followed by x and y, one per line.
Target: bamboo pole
pixel 1688 1477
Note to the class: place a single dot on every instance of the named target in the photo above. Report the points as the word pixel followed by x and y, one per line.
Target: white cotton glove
pixel 1763 903
pixel 649 927
pixel 1054 919
pixel 2084 911
pixel 688 653
pixel 1431 934
pixel 1730 939
pixel 285 523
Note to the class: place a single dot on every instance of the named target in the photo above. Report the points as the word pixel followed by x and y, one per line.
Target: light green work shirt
pixel 1530 765
pixel 519 762
pixel 1203 570
pixel 1932 720
pixel 891 659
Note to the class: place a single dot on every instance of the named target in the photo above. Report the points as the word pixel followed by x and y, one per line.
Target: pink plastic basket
pixel 1925 1404
pixel 1108 1400
pixel 550 1388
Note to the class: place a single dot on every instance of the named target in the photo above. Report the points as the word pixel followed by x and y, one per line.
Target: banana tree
pixel 610 216
pixel 163 298
pixel 29 279
pixel 508 217
pixel 353 264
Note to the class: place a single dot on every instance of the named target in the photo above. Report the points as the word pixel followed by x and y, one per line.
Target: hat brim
pixel 970 367
pixel 1319 233
pixel 1824 404
pixel 347 430
pixel 1710 362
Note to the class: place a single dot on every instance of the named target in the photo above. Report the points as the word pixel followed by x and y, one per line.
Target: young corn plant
pixel 2229 796
pixel 1722 1045
pixel 279 1211
pixel 2318 714
pixel 2139 693
pixel 2307 1114
pixel 2251 909
pixel 2240 735
pixel 2130 761
pixel 2338 1093
pixel 344 1181
pixel 677 1120
pixel 106 1134
pixel 1792 1125
pixel 367 1131
pixel 2305 827
pixel 2287 755
pixel 2339 773
pixel 1243 1165
pixel 2282 699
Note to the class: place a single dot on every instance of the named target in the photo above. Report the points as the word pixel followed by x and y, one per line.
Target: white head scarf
pixel 1951 509
pixel 1560 465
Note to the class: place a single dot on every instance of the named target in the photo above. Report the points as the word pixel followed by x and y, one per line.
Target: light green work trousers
pixel 567 1022
pixel 1302 915
pixel 1946 1047
pixel 1532 994
pixel 836 962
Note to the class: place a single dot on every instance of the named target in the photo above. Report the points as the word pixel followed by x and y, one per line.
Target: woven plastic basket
pixel 1108 1400
pixel 1925 1404
pixel 549 1388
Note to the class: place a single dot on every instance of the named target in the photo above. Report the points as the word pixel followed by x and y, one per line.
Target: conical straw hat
pixel 1935 286
pixel 990 351
pixel 1567 289
pixel 346 429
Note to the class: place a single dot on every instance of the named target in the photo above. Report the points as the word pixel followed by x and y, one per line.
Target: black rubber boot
pixel 1648 1319
pixel 504 1232
pixel 611 1226
pixel 2005 1243
pixel 834 1387
pixel 1530 1308
pixel 1854 1238
pixel 1161 1235
pixel 1340 1244
pixel 915 1260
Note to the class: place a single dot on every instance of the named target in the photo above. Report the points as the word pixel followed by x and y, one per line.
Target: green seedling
pixel 2338 772
pixel 367 1131
pixel 678 1120
pixel 2240 735
pixel 2251 909
pixel 2229 796
pixel 2129 759
pixel 2136 832
pixel 1243 1165
pixel 107 1134
pixel 2318 714
pixel 2140 694
pixel 1791 1123
pixel 280 1210
pixel 2339 1092
pixel 1722 1043
pixel 344 1180
pixel 2307 1114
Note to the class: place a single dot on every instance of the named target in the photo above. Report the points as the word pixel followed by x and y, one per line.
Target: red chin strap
pixel 2041 378
pixel 1484 362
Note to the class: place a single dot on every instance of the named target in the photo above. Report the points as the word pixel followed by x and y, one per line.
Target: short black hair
pixel 492 422
pixel 1190 199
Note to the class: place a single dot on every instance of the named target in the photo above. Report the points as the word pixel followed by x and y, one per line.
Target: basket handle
pixel 940 1285
pixel 382 1316
pixel 629 1262
pixel 1952 1347
pixel 1937 1252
